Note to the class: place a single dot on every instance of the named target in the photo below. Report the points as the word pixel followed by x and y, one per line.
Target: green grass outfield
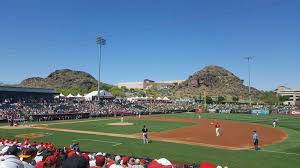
pixel 102 126
pixel 282 155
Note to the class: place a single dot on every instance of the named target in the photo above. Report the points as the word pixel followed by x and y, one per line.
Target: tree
pixel 209 100
pixel 235 99
pixel 221 99
pixel 269 97
pixel 152 92
pixel 117 92
pixel 139 93
pixel 284 98
pixel 124 88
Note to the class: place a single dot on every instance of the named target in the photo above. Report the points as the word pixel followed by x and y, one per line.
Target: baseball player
pixel 145 134
pixel 274 123
pixel 217 126
pixel 122 117
pixel 255 140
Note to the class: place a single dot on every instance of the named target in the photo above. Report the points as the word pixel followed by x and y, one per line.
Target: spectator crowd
pixel 25 109
pixel 14 154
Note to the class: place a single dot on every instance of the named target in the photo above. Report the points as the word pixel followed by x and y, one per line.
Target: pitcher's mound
pixel 120 124
pixel 39 125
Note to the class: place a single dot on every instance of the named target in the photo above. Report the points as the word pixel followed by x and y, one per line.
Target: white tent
pixel 165 98
pixel 70 96
pixel 103 94
pixel 78 96
pixel 158 98
pixel 61 95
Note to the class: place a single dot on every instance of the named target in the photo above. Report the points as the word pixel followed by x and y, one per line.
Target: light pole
pixel 249 78
pixel 100 41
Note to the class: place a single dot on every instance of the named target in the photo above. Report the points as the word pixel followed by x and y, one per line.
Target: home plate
pixel 120 124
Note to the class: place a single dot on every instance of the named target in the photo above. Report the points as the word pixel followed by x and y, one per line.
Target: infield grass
pixel 102 126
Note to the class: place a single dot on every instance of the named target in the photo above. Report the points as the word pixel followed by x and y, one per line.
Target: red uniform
pixel 217 129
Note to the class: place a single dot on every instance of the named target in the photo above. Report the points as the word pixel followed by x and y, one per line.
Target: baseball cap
pixel 100 160
pixel 137 161
pixel 131 161
pixel 41 150
pixel 26 142
pixel 143 161
pixel 86 157
pixel 117 158
pixel 207 165
pixel 27 153
pixel 13 150
pixel 99 153
pixel 125 159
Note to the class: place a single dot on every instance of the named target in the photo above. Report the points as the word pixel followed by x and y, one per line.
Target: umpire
pixel 255 140
pixel 145 134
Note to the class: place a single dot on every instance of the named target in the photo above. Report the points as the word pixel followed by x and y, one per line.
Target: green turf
pixel 102 126
pixel 172 151
pixel 189 153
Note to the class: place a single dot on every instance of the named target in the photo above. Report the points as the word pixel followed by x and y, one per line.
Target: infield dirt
pixel 234 135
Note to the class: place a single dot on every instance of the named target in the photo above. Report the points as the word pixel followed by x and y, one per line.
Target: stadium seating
pixel 15 154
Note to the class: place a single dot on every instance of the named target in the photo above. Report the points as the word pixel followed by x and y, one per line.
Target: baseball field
pixel 179 137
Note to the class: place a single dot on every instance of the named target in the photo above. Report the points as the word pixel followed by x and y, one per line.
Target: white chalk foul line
pixel 287 153
pixel 114 143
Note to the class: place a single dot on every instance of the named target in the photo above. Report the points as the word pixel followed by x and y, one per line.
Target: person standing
pixel 145 134
pixel 122 117
pixel 255 140
pixel 274 123
pixel 217 126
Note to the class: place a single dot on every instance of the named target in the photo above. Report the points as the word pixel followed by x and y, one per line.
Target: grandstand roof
pixel 27 90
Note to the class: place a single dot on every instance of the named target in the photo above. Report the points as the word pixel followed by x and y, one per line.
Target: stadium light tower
pixel 249 78
pixel 100 41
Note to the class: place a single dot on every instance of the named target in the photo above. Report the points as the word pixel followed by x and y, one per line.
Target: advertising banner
pixel 212 110
pixel 200 110
pixel 241 111
pixel 261 111
pixel 224 110
pixel 294 112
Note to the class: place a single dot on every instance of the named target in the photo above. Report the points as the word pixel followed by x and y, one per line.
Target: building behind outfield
pixel 293 94
pixel 22 93
pixel 149 83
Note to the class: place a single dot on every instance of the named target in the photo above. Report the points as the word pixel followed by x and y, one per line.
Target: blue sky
pixel 155 39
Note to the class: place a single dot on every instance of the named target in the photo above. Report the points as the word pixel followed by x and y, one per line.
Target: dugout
pixel 15 94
